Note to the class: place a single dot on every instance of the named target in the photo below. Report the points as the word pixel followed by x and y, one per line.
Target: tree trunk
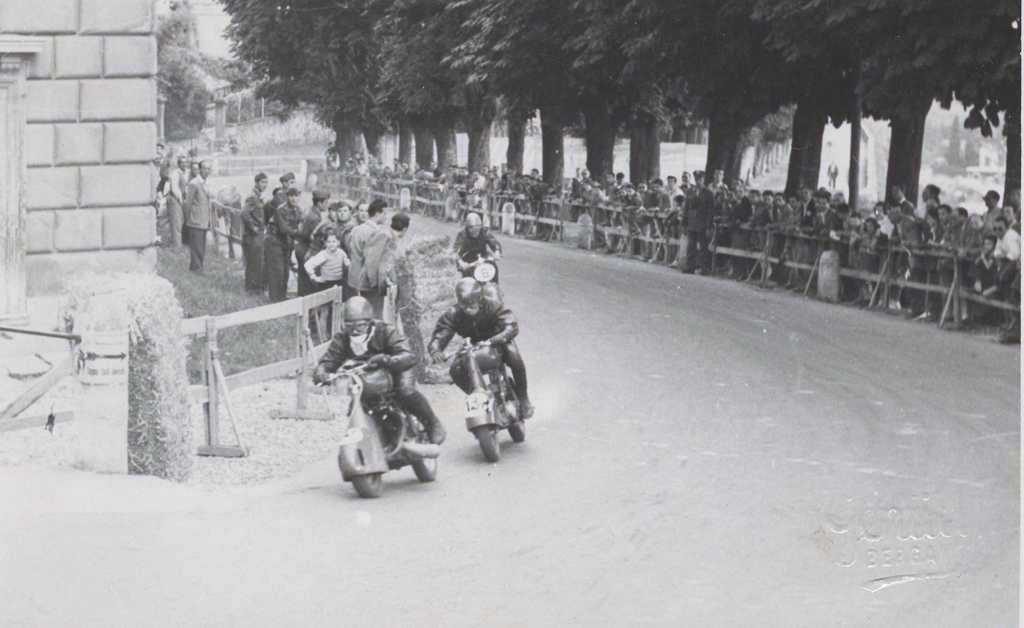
pixel 346 139
pixel 805 150
pixel 373 137
pixel 854 174
pixel 552 146
pixel 723 139
pixel 644 149
pixel 905 148
pixel 734 171
pixel 600 139
pixel 516 142
pixel 405 143
pixel 424 146
pixel 444 137
pixel 1012 130
pixel 479 145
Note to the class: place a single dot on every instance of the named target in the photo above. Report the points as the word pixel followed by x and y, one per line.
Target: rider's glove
pixel 496 340
pixel 437 357
pixel 320 375
pixel 379 361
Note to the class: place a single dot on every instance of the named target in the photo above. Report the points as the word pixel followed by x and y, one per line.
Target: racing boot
pixel 416 403
pixel 525 409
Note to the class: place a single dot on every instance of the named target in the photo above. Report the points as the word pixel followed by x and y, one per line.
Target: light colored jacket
pixel 358 276
pixel 197 204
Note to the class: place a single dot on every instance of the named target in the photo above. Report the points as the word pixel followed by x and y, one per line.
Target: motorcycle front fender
pixel 365 456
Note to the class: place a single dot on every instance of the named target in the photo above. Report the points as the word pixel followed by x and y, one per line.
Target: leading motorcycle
pixel 381 436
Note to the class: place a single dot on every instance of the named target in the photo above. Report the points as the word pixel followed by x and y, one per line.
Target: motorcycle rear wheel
pixel 425 469
pixel 517 431
pixel 369 486
pixel 487 436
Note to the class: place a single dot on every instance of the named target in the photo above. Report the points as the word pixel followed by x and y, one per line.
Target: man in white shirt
pixel 176 187
pixel 1008 246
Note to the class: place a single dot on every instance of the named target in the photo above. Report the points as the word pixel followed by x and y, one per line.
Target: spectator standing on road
pixel 698 220
pixel 253 234
pixel 363 279
pixel 197 202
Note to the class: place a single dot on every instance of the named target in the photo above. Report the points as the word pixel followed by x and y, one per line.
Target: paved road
pixel 704 454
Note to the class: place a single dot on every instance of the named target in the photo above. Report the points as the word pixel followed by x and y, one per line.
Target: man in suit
pixel 699 211
pixel 197 221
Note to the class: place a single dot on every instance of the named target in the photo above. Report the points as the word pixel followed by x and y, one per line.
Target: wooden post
pixel 855 133
pixel 336 308
pixel 212 406
pixel 302 336
pixel 814 271
pixel 881 280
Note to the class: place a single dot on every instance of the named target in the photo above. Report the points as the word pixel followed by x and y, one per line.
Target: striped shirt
pixel 331 266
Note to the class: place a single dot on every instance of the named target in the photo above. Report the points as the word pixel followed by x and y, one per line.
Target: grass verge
pixel 219 290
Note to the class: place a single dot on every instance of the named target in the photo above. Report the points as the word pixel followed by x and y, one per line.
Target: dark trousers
pixel 511 357
pixel 196 248
pixel 696 250
pixel 252 251
pixel 276 255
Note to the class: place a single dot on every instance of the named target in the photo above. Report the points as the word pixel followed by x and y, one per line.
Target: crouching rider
pixel 380 346
pixel 481 320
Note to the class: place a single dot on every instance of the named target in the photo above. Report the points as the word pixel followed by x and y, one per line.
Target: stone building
pixel 78 110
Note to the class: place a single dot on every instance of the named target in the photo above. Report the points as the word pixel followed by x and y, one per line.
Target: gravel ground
pixel 279 448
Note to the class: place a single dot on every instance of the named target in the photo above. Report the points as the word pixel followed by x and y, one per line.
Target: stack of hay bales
pixel 426 288
pixel 159 428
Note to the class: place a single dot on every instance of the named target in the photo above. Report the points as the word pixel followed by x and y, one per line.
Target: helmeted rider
pixel 474 242
pixel 481 319
pixel 380 345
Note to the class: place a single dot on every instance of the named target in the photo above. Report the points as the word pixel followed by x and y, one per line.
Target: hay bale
pixel 159 429
pixel 426 277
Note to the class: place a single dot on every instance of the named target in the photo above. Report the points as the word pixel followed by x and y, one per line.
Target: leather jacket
pixel 384 339
pixel 493 322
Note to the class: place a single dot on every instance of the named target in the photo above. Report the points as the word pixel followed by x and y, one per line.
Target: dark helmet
pixel 468 292
pixel 357 308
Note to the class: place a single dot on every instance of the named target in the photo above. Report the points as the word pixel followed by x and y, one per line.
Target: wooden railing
pixel 216 387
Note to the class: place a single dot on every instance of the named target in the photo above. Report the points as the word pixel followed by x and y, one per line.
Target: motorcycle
pixel 484 268
pixel 492 406
pixel 381 436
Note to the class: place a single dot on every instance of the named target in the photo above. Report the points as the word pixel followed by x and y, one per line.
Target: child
pixel 327 267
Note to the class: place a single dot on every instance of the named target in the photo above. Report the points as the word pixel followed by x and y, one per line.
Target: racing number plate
pixel 476 405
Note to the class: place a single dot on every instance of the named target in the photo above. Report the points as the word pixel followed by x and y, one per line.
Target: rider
pixel 381 346
pixel 481 320
pixel 474 242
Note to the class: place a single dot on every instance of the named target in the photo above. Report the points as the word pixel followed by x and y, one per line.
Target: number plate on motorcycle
pixel 476 405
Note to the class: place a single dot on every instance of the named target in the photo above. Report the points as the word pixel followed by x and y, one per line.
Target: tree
pixel 505 52
pixel 180 77
pixel 321 52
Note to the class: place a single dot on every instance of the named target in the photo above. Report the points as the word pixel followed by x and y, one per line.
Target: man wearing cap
pixel 279 245
pixel 197 221
pixel 253 232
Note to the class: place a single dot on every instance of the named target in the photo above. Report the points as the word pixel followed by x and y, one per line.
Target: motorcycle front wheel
pixel 487 436
pixel 425 469
pixel 369 486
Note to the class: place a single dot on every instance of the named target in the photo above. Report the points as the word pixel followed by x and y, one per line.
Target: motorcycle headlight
pixel 484 273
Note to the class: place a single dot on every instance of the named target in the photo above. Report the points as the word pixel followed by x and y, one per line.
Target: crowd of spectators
pixel 927 243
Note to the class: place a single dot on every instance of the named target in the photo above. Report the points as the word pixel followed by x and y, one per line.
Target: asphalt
pixel 704 453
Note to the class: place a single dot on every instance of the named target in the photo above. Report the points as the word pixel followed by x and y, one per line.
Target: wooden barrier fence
pixel 216 387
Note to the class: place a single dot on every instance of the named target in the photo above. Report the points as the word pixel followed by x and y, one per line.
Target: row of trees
pixel 626 67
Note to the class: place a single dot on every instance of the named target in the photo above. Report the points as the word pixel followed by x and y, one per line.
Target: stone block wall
pixel 91 136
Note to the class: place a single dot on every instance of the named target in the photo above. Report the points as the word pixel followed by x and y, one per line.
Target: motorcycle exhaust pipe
pixel 421 450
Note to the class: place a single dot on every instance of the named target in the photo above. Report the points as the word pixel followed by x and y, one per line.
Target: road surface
pixel 704 454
